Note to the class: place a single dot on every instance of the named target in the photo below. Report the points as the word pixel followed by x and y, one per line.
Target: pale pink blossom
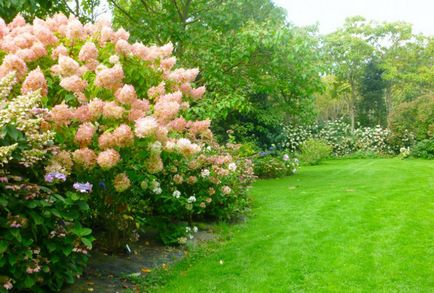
pixel 166 111
pixel 61 115
pixel 43 33
pixel 179 124
pixel 106 140
pixel 108 158
pixel 186 147
pixel 126 94
pixel 88 52
pixel 114 59
pixel 198 127
pixel 59 51
pixel 35 80
pixel 112 111
pixel 75 30
pixel 168 63
pixel 110 78
pixel 73 84
pixel 198 93
pixel 123 47
pixel 154 164
pixel 145 126
pixel 67 66
pixel 123 135
pixel 96 107
pixel 17 22
pixel 226 190
pixel 83 114
pixel 135 114
pixel 172 97
pixel 84 134
pixel 157 91
pixel 13 63
pixel 142 105
pixel 84 157
pixel 181 75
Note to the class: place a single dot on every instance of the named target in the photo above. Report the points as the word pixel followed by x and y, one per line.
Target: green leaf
pixel 29 282
pixel 67 250
pixel 80 231
pixel 16 233
pixel 12 259
pixel 3 246
pixel 87 242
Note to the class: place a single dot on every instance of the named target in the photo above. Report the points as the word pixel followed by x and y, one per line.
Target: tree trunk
pixel 353 106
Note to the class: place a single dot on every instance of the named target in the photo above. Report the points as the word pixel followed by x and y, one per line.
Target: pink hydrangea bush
pixel 121 114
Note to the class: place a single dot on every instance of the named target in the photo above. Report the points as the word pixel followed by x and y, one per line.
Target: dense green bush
pixel 416 117
pixel 313 151
pixel 42 243
pixel 274 164
pixel 424 149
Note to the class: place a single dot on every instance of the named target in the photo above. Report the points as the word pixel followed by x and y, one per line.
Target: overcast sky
pixel 330 14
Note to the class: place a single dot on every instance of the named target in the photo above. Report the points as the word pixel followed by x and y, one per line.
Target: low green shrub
pixel 274 164
pixel 424 149
pixel 42 243
pixel 313 151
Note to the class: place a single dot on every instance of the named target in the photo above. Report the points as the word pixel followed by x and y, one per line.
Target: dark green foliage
pixel 372 106
pixel 41 230
pixel 40 8
pixel 416 117
pixel 424 149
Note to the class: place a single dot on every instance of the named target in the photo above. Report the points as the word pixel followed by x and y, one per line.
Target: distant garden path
pixel 344 226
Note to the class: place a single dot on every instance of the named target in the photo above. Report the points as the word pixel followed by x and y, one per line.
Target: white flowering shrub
pixel 342 139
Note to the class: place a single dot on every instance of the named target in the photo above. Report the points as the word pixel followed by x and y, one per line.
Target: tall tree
pixel 372 107
pixel 349 52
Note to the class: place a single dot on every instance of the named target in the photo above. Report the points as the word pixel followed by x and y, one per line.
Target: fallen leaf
pixel 146 270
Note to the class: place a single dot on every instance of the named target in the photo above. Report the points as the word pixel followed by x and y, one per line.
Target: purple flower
pixel 102 185
pixel 55 175
pixel 83 187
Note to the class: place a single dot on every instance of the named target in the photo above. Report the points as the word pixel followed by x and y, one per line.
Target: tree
pixel 258 69
pixel 332 102
pixel 349 52
pixel 83 9
pixel 372 107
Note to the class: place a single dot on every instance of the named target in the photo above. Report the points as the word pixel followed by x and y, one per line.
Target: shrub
pixel 124 130
pixel 313 151
pixel 274 164
pixel 343 140
pixel 424 149
pixel 416 117
pixel 42 242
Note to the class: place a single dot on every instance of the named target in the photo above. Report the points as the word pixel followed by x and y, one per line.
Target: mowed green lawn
pixel 343 226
